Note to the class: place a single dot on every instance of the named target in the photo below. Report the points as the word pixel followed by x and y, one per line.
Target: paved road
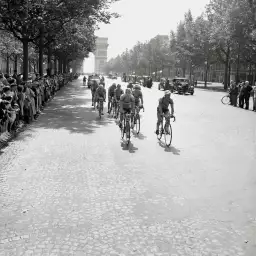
pixel 69 186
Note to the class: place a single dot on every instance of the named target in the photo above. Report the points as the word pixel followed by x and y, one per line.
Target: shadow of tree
pixel 171 149
pixel 72 110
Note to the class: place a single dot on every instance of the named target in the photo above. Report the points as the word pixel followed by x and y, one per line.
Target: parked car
pixel 181 85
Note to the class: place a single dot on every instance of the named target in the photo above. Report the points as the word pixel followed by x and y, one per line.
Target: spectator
pixel 241 94
pixel 19 79
pixel 233 93
pixel 247 93
pixel 15 75
pixel 3 80
pixel 254 98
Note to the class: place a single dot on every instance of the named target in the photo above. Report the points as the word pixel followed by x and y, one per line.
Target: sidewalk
pixel 219 87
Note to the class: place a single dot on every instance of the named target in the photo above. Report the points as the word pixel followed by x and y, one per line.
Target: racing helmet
pixel 101 86
pixel 119 86
pixel 167 92
pixel 114 84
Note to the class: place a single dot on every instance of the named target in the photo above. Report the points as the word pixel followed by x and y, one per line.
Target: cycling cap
pixel 167 92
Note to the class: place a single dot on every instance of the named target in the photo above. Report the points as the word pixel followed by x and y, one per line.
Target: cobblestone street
pixel 70 186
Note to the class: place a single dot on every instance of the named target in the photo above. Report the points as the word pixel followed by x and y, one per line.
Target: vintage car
pixel 181 85
pixel 91 80
pixel 147 82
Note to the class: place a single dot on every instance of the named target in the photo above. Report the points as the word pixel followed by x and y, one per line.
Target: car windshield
pixel 180 80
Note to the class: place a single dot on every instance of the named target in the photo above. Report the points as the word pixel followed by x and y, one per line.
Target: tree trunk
pixel 49 66
pixel 184 72
pixel 226 70
pixel 25 59
pixel 16 63
pixel 64 65
pixel 238 64
pixel 229 73
pixel 7 64
pixel 55 66
pixel 41 54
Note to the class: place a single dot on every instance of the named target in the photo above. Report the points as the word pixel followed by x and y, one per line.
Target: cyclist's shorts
pixel 111 94
pixel 127 110
pixel 165 110
pixel 118 98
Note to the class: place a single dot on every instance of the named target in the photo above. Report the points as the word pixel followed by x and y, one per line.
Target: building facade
pixel 101 54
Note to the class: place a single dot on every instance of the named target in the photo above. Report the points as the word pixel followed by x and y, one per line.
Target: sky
pixel 142 20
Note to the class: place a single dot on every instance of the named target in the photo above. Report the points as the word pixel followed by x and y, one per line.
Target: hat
pixel 167 92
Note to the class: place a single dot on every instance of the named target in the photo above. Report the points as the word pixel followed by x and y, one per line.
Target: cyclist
pixel 111 94
pixel 162 109
pixel 137 94
pixel 94 87
pixel 118 92
pixel 84 80
pixel 130 86
pixel 127 105
pixel 100 93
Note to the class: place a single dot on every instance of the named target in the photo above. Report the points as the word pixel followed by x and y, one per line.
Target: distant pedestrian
pixel 241 94
pixel 233 93
pixel 247 94
pixel 254 98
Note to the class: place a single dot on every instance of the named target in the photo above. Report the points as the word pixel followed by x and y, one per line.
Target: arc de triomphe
pixel 101 54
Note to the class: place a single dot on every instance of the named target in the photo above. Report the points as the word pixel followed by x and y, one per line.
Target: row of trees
pixel 62 30
pixel 224 33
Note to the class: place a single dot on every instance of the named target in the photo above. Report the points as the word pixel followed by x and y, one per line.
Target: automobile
pixel 181 85
pixel 91 79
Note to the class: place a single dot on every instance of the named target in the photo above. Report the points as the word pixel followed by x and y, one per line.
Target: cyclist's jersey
pixel 137 94
pixel 118 93
pixel 164 103
pixel 111 91
pixel 94 86
pixel 127 100
pixel 100 92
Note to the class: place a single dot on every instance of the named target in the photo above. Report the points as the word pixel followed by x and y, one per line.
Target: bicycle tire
pixel 128 134
pixel 137 124
pixel 110 107
pixel 159 136
pixel 123 130
pixel 117 113
pixel 168 136
pixel 225 100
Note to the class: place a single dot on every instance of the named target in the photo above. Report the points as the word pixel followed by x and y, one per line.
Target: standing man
pixel 247 94
pixel 233 93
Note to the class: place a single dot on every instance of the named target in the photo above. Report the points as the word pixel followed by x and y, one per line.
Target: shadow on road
pixel 72 110
pixel 139 136
pixel 171 149
pixel 130 148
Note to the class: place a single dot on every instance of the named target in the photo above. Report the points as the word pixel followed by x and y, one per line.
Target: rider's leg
pixel 159 119
pixel 109 100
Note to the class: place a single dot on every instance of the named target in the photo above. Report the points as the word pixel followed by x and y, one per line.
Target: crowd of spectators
pixel 240 94
pixel 23 101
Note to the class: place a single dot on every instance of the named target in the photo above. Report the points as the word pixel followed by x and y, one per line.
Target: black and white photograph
pixel 127 128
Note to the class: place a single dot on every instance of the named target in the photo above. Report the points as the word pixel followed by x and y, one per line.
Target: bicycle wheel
pixel 137 124
pixel 123 129
pixel 114 111
pixel 159 136
pixel 110 107
pixel 168 135
pixel 117 113
pixel 225 100
pixel 128 135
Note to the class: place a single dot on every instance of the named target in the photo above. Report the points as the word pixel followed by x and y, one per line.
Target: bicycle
pixel 100 106
pixel 226 100
pixel 117 109
pixel 166 130
pixel 110 105
pixel 137 119
pixel 126 128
